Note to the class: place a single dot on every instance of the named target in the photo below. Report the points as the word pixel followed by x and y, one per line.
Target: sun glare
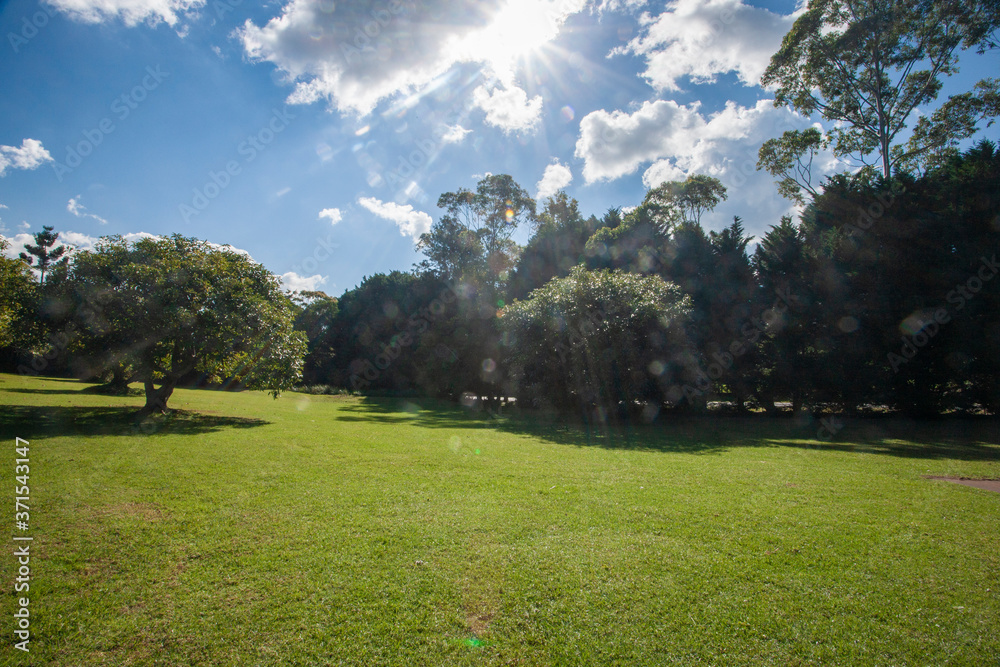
pixel 518 30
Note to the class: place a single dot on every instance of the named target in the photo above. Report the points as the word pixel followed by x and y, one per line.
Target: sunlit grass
pixel 334 530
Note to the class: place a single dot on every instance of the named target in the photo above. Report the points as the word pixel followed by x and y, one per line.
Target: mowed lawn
pixel 318 530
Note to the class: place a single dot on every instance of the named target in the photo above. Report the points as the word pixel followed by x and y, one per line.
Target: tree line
pixel 882 294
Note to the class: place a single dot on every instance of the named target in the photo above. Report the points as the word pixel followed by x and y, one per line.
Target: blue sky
pixel 317 135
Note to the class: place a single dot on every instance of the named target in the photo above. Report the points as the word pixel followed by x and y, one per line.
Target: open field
pixel 331 530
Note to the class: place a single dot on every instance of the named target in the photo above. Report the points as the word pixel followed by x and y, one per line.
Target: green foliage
pixel 911 263
pixel 18 294
pixel 316 314
pixel 474 239
pixel 676 202
pixel 46 254
pixel 557 246
pixel 402 333
pixel 601 343
pixel 867 65
pixel 790 157
pixel 170 307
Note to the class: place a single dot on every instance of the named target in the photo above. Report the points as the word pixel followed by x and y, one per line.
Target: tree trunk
pixel 156 399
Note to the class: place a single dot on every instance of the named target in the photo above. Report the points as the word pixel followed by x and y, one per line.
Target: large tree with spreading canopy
pixel 165 307
pixel 868 66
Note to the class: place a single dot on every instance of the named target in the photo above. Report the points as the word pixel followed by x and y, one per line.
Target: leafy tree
pixel 44 253
pixel 557 246
pixel 169 306
pixel 915 335
pixel 790 157
pixel 866 65
pixel 452 249
pixel 491 214
pixel 642 241
pixel 603 344
pixel 17 297
pixel 785 274
pixel 730 309
pixel 397 333
pixel 676 202
pixel 316 314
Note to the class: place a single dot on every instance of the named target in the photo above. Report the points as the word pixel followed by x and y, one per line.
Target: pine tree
pixel 44 252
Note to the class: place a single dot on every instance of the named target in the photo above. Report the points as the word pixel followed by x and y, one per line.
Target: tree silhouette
pixel 44 252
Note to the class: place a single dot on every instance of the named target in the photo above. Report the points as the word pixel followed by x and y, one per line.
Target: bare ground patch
pixel 985 484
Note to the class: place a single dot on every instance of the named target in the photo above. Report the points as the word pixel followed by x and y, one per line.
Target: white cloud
pixel 282 192
pixel 410 222
pixel 293 282
pixel 72 239
pixel 615 144
pixel 618 5
pixel 355 54
pixel 88 242
pixel 509 108
pixel 30 155
pixel 704 38
pixel 131 12
pixel 556 177
pixel 79 210
pixel 454 134
pixel 332 214
pixel 16 243
pixel 676 141
pixel 81 241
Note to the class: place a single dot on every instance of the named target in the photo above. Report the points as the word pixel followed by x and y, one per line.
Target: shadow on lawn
pixel 52 421
pixel 21 390
pixel 970 439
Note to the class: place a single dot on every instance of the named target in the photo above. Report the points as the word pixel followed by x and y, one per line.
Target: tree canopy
pixel 867 65
pixel 168 307
pixel 46 253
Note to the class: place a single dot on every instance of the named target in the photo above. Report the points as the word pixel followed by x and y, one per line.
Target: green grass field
pixel 318 530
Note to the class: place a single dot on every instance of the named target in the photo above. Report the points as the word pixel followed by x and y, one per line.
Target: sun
pixel 518 30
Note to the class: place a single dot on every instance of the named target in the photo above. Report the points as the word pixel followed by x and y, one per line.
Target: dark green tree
pixel 602 344
pixel 46 253
pixel 316 313
pixel 18 296
pixel 785 275
pixel 557 246
pixel 167 307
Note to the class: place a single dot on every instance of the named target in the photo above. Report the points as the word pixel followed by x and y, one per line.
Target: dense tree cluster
pixel 881 295
pixel 884 294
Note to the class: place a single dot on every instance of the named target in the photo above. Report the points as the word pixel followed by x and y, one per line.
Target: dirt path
pixel 985 484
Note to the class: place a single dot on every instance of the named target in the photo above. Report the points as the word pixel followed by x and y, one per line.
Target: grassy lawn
pixel 318 530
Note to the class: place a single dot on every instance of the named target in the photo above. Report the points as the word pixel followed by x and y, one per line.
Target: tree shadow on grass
pixel 21 390
pixel 959 438
pixel 29 422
